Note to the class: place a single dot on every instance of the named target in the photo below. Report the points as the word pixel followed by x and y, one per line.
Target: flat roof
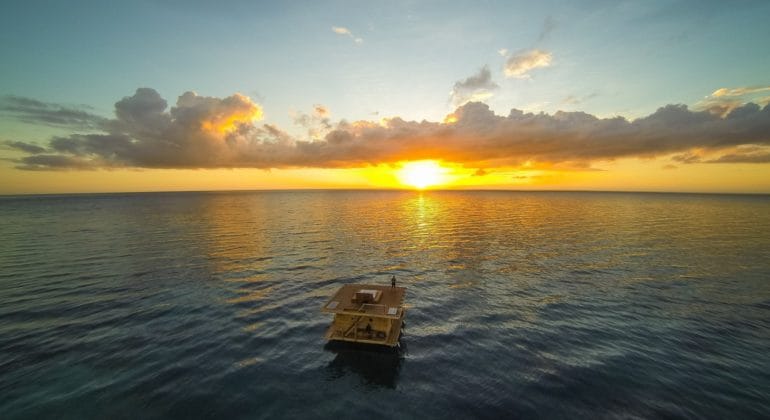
pixel 389 305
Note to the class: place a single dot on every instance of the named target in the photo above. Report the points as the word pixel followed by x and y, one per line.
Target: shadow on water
pixel 375 365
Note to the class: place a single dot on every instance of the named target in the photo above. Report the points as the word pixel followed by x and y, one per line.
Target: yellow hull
pixel 353 328
pixel 368 314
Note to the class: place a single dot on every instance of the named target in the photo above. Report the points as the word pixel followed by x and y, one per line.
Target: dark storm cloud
pixel 206 132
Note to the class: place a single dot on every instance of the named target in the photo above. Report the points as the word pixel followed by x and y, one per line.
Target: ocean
pixel 520 305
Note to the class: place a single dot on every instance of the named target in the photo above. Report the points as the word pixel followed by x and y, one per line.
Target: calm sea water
pixel 559 305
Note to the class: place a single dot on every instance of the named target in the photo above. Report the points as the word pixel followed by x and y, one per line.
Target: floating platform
pixel 366 313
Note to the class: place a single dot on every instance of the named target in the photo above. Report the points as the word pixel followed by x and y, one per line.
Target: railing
pixel 371 308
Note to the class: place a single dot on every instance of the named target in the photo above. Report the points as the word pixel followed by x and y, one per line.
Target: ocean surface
pixel 521 305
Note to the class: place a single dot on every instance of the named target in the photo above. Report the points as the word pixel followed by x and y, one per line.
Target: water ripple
pixel 519 305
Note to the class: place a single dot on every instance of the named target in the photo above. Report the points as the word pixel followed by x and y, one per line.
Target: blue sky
pixel 624 58
pixel 359 60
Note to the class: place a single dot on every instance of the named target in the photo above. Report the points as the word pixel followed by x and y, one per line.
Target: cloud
pixel 722 92
pixel 320 110
pixel 575 100
pixel 744 154
pixel 549 24
pixel 57 115
pixel 520 64
pixel 341 30
pixel 24 147
pixel 687 158
pixel 742 158
pixel 474 88
pixel 317 123
pixel 53 162
pixel 207 132
pixel 198 132
pixel 723 100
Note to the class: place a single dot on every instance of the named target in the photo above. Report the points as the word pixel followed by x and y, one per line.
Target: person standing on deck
pixel 393 281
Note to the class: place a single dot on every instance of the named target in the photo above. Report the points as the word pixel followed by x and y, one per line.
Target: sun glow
pixel 422 174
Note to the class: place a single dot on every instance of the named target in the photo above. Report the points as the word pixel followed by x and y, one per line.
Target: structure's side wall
pixel 342 322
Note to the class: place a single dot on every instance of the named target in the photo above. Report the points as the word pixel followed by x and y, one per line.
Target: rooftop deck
pixel 376 301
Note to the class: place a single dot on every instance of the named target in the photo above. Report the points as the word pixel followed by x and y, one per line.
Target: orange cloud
pixel 519 65
pixel 226 115
pixel 341 30
pixel 146 134
pixel 722 101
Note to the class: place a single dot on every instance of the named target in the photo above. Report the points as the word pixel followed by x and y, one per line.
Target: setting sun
pixel 422 174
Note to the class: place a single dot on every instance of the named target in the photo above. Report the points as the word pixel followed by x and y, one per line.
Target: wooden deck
pixel 389 305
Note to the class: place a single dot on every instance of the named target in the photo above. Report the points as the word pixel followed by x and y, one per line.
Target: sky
pixel 197 95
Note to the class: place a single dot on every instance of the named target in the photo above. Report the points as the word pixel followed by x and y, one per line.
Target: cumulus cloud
pixel 474 88
pixel 198 132
pixel 341 30
pixel 206 132
pixel 520 64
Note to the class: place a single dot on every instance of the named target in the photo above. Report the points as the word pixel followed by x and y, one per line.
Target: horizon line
pixel 349 189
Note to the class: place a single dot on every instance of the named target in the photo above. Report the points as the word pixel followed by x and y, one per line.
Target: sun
pixel 421 174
